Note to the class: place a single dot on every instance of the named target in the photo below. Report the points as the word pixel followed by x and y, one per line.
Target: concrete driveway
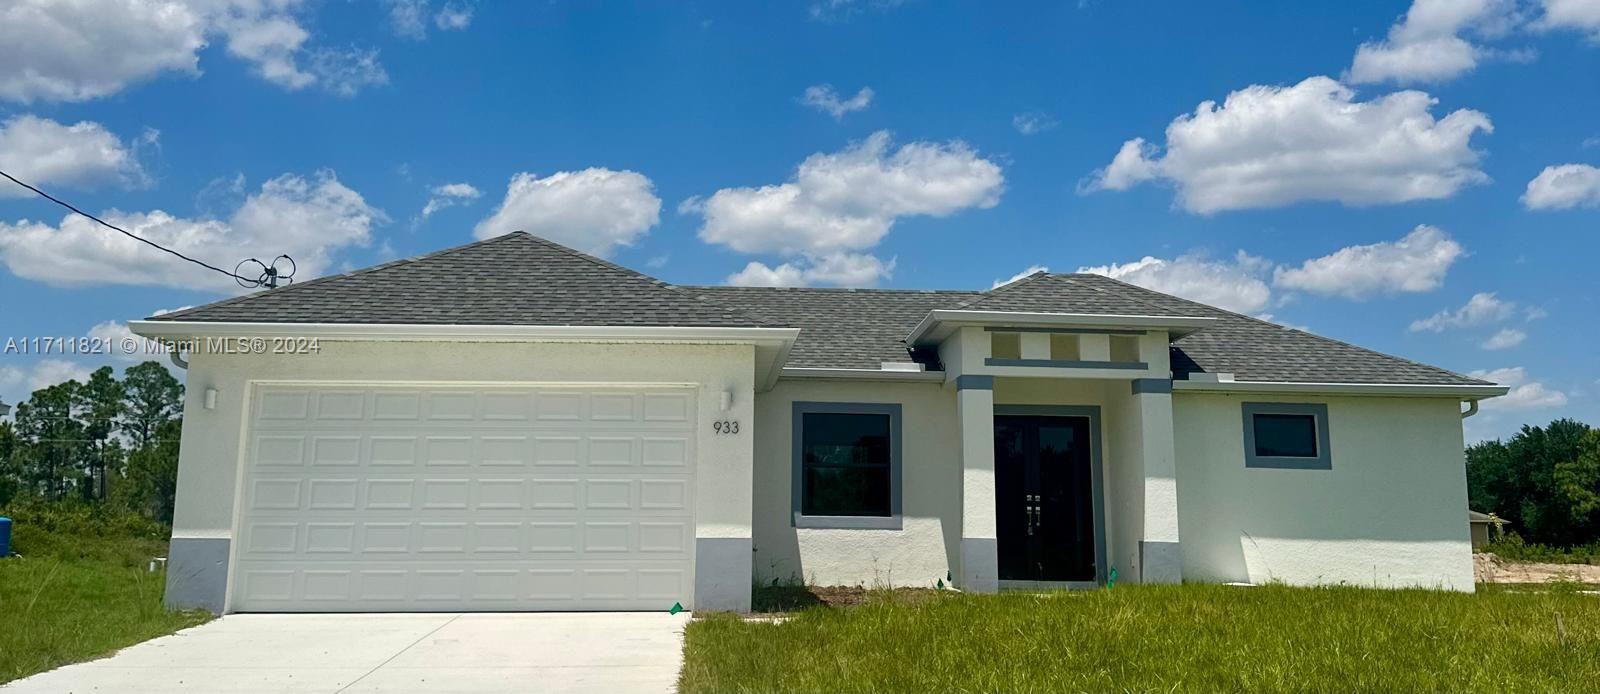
pixel 602 653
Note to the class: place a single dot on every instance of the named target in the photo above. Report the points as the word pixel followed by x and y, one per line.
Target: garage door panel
pixel 467 498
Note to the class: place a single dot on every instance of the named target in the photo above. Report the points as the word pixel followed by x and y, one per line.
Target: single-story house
pixel 514 425
pixel 1485 527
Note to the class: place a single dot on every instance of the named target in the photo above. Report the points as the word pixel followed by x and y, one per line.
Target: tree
pixel 52 441
pixel 151 482
pixel 99 406
pixel 10 473
pixel 1578 482
pixel 151 398
pixel 1517 480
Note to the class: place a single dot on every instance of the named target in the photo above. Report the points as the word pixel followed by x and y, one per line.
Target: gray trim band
pixel 1068 363
pixel 723 574
pixel 1152 385
pixel 1319 413
pixel 1096 467
pixel 1160 562
pixel 197 573
pixel 980 565
pixel 1064 331
pixel 797 476
pixel 974 382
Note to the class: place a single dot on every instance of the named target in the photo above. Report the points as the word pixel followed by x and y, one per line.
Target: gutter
pixel 798 373
pixel 1471 393
pixel 422 332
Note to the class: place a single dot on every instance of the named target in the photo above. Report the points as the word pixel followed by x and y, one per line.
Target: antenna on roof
pixel 270 274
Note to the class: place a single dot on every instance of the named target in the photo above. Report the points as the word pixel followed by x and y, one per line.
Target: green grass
pixel 79 590
pixel 1194 638
pixel 1513 548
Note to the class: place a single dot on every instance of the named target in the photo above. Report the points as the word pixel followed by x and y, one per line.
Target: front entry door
pixel 1044 498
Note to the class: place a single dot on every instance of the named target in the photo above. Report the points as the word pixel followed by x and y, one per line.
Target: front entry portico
pixel 1049 522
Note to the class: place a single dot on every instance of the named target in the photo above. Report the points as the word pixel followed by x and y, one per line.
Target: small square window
pixel 1286 435
pixel 1064 347
pixel 1005 345
pixel 846 465
pixel 1124 348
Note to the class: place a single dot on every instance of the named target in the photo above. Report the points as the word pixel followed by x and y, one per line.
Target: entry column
pixel 1160 554
pixel 980 562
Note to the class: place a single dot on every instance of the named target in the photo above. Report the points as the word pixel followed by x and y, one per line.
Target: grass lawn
pixel 1194 638
pixel 76 596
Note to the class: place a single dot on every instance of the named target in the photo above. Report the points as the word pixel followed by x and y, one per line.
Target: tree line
pixel 1544 480
pixel 102 441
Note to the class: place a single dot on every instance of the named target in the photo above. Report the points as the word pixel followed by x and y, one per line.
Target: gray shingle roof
pixel 519 279
pixel 516 279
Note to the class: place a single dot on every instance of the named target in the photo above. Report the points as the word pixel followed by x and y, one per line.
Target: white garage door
pixel 469 498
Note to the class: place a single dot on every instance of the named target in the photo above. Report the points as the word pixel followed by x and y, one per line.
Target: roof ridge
pixel 639 276
pixel 328 278
pixel 1279 326
pixel 997 291
pixel 1070 277
pixel 850 290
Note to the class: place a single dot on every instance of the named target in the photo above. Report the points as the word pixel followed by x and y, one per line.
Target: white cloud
pixel 594 210
pixel 86 49
pixel 454 16
pixel 83 155
pixel 1415 263
pixel 848 200
pixel 1483 308
pixel 1273 146
pixel 1427 44
pixel 19 382
pixel 839 269
pixel 1582 15
pixel 117 338
pixel 1505 339
pixel 448 195
pixel 823 98
pixel 1524 394
pixel 1031 269
pixel 308 218
pixel 840 10
pixel 1234 286
pixel 1033 122
pixel 409 18
pixel 1563 187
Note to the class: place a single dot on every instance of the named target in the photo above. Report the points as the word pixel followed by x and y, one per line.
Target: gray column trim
pixel 1160 562
pixel 974 382
pixel 1096 468
pixel 796 480
pixel 1064 331
pixel 1068 364
pixel 1319 411
pixel 1152 385
pixel 723 574
pixel 980 565
pixel 197 573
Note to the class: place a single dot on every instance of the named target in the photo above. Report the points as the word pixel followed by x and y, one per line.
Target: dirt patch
pixel 778 599
pixel 1489 568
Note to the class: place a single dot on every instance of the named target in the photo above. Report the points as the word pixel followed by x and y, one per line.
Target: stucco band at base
pixel 980 565
pixel 197 573
pixel 1160 562
pixel 722 574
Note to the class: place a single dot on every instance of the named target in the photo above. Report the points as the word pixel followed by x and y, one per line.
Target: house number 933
pixel 726 426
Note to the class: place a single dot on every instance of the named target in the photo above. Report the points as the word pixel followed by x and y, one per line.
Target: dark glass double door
pixel 1044 498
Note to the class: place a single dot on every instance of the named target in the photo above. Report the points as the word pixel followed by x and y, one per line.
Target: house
pixel 1485 527
pixel 513 425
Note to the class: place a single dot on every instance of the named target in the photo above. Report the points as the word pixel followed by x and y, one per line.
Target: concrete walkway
pixel 598 652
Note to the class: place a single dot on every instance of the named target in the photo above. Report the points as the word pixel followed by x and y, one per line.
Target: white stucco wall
pixel 211 453
pixel 922 552
pixel 1389 513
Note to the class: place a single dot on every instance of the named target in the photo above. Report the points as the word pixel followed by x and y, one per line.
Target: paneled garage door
pixel 472 498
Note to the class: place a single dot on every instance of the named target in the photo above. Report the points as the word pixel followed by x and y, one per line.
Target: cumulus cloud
pixel 1234 286
pixel 41 374
pixel 839 269
pixel 1427 45
pixel 1415 263
pixel 848 200
pixel 448 195
pixel 823 98
pixel 454 16
pixel 1273 146
pixel 1524 394
pixel 1031 269
pixel 1506 338
pixel 1033 122
pixel 1580 15
pixel 595 210
pixel 1563 188
pixel 409 18
pixel 76 51
pixel 83 155
pixel 1484 308
pixel 308 218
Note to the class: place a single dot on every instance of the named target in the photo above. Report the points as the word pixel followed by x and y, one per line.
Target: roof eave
pixel 937 325
pixel 1463 391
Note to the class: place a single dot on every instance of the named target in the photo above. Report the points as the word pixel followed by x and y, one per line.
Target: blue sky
pixel 1419 180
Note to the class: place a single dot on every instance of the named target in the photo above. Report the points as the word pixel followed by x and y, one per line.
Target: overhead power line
pixel 269 276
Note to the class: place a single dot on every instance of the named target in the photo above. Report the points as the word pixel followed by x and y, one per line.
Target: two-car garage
pixel 396 497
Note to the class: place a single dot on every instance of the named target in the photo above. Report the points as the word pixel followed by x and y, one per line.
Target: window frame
pixel 797 456
pixel 1319 415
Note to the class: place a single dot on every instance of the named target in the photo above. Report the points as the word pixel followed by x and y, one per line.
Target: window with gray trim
pixel 1286 435
pixel 846 465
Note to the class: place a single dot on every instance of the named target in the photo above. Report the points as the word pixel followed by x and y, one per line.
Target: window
pixel 1125 348
pixel 1005 346
pixel 846 465
pixel 1286 435
pixel 1064 347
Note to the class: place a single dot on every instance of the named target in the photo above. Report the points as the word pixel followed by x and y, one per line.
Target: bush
pixel 1514 548
pixel 80 530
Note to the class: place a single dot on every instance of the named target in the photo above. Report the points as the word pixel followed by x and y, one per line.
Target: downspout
pixel 180 362
pixel 1472 409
